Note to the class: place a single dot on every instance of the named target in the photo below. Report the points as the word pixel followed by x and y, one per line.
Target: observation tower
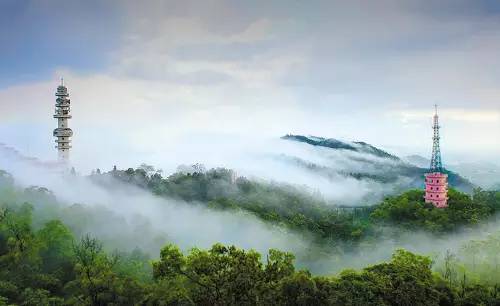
pixel 63 133
pixel 436 181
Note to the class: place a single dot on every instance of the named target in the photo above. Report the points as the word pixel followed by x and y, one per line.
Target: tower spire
pixel 436 163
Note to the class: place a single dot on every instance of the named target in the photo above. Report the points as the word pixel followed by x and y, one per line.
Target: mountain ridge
pixel 380 171
pixel 332 143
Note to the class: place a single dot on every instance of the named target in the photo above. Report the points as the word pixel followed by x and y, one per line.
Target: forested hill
pixel 277 203
pixel 356 146
pixel 366 162
pixel 303 211
pixel 44 261
pixel 50 265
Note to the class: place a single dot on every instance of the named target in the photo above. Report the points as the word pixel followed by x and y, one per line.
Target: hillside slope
pixel 366 162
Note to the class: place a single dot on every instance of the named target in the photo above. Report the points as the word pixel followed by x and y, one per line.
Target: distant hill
pixel 417 160
pixel 356 146
pixel 482 173
pixel 367 162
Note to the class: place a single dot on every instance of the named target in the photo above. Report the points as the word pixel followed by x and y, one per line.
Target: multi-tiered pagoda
pixel 436 181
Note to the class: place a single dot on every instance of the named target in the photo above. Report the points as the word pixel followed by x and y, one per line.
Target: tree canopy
pixel 43 261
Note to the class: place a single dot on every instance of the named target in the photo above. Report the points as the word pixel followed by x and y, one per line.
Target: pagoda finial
pixel 436 109
pixel 62 81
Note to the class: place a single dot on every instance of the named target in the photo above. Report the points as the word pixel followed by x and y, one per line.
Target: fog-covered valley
pixel 248 153
pixel 126 216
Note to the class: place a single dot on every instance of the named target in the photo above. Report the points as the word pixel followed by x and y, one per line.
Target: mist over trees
pixel 50 266
pixel 46 262
pixel 366 163
pixel 300 210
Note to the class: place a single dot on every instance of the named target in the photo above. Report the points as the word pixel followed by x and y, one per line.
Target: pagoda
pixel 436 181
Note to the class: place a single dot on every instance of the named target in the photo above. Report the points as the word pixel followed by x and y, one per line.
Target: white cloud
pixel 187 68
pixel 460 114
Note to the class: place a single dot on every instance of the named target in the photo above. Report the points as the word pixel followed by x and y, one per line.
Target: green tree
pixel 410 280
pixel 96 282
pixel 219 276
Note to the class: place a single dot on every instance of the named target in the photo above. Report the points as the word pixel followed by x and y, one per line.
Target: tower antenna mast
pixel 436 162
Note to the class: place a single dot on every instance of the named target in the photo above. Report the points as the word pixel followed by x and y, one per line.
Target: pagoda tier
pixel 436 189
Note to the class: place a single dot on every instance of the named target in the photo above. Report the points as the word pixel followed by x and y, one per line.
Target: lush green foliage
pixel 305 211
pixel 272 202
pixel 229 276
pixel 410 210
pixel 43 262
pixel 48 267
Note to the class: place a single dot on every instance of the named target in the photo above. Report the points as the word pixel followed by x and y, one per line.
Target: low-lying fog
pixel 270 159
pixel 127 217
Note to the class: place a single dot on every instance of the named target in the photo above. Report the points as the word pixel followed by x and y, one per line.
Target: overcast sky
pixel 150 76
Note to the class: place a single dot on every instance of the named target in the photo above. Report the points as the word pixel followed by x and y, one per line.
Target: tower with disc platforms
pixel 63 133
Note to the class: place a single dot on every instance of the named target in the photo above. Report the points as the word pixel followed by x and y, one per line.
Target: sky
pixel 168 78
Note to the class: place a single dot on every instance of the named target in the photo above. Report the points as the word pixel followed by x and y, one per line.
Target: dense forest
pixel 301 210
pixel 50 266
pixel 410 211
pixel 45 261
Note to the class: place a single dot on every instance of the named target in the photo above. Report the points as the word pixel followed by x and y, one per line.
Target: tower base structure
pixel 436 189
